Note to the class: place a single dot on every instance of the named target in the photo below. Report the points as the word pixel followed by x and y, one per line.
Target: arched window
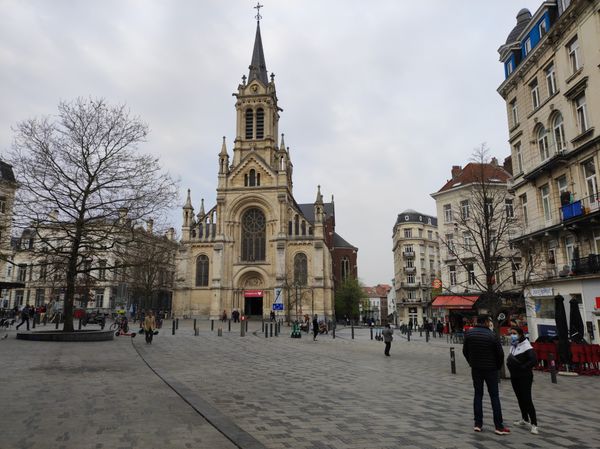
pixel 300 269
pixel 559 132
pixel 258 179
pixel 249 123
pixel 202 271
pixel 542 138
pixel 296 225
pixel 253 235
pixel 252 178
pixel 345 268
pixel 260 123
pixel 303 227
pixel 246 180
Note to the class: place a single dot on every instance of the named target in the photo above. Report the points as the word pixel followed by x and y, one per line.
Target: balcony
pixel 410 269
pixel 410 284
pixel 586 265
pixel 558 157
pixel 588 205
pixel 409 254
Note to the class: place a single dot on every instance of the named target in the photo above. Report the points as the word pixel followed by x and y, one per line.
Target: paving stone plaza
pixel 212 392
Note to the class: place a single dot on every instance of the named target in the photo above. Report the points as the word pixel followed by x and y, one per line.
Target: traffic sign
pixel 277 306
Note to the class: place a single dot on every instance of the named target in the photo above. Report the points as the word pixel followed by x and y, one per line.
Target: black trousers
pixel 388 345
pixel 522 389
pixel 149 335
pixel 24 320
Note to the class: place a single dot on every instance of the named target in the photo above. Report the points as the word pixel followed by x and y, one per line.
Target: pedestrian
pixel 484 353
pixel 520 363
pixel 149 326
pixel 387 338
pixel 440 328
pixel 272 315
pixel 24 317
pixel 224 316
pixel 315 324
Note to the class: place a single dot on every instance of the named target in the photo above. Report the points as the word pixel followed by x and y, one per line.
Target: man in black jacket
pixel 483 351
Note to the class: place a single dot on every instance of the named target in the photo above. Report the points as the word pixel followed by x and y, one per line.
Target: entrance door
pixel 253 306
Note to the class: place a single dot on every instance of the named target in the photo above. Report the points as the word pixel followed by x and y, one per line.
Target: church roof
pixel 339 242
pixel 308 210
pixel 258 66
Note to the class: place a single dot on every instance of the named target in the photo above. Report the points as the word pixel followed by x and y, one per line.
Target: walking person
pixel 315 323
pixel 484 353
pixel 520 363
pixel 149 326
pixel 387 338
pixel 24 317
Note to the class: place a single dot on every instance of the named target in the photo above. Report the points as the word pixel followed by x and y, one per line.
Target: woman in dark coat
pixel 520 363
pixel 315 324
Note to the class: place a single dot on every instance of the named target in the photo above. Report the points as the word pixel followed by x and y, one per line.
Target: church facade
pixel 257 246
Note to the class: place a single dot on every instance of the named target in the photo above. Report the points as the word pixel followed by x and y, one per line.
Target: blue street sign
pixel 277 306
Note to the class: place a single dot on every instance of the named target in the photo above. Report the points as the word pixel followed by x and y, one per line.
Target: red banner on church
pixel 253 293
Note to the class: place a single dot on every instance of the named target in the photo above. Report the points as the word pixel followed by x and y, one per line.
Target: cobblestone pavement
pixel 270 392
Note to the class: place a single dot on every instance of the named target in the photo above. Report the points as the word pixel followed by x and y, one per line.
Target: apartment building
pixel 551 62
pixel 416 265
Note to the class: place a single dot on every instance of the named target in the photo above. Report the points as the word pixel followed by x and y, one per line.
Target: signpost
pixel 278 303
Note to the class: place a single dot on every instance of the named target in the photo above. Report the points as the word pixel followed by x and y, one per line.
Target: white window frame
pixel 527 46
pixel 542 139
pixel 448 218
pixel 524 211
pixel 573 52
pixel 546 203
pixel 551 80
pixel 581 112
pixel 542 28
pixel 535 94
pixel 519 156
pixel 558 131
pixel 465 209
pixel 560 186
pixel 515 112
pixel 452 272
pixel 408 233
pixel 509 208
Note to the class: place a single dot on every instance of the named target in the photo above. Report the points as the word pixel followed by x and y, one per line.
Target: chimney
pixel 171 233
pixel 456 170
pixel 149 225
pixel 508 165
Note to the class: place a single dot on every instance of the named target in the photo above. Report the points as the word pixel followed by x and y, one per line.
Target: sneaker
pixel 534 430
pixel 477 428
pixel 521 423
pixel 502 431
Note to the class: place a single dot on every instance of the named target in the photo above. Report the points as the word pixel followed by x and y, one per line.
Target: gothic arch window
pixel 345 268
pixel 300 269
pixel 253 235
pixel 202 271
pixel 258 179
pixel 296 225
pixel 252 178
pixel 303 227
pixel 249 123
pixel 260 123
pixel 246 180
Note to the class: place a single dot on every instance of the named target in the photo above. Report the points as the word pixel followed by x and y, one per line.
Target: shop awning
pixel 454 302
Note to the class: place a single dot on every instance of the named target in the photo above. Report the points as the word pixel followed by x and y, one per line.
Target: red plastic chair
pixel 579 358
pixel 593 359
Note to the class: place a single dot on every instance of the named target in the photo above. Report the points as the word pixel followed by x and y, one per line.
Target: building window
pixel 448 213
pixel 564 4
pixel 43 272
pixel 410 278
pixel 573 50
pixel 562 184
pixel 39 297
pixel 407 233
pixel 345 268
pixel 508 205
pixel 253 178
pixel 452 270
pixel 551 80
pixel 545 195
pixel 450 243
pixel 514 112
pixel 300 269
pixel 515 270
pixel 2 204
pixel 509 67
pixel 581 112
pixel 535 94
pixel 408 248
pixel 542 138
pixel 570 249
pixel 559 132
pixel 527 46
pixel 464 209
pixel 253 235
pixel 99 297
pixel 589 173
pixel 542 28
pixel 430 235
pixel 19 297
pixel 202 265
pixel 22 273
pixel 470 274
pixel 102 270
pixel 524 209
pixel 519 156
pixel 249 123
pixel 468 239
pixel 260 123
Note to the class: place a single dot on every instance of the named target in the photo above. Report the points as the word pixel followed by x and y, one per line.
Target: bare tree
pixel 83 185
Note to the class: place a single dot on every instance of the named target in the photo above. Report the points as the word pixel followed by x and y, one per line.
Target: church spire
pixel 258 67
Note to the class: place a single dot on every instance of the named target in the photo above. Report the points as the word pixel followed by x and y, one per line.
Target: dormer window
pixel 542 28
pixel 527 47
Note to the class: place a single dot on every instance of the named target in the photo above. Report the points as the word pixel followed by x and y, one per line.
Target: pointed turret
pixel 282 144
pixel 201 213
pixel 319 199
pixel 188 201
pixel 223 159
pixel 188 217
pixel 258 67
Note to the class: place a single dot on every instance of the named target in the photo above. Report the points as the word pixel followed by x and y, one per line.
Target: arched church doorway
pixel 253 302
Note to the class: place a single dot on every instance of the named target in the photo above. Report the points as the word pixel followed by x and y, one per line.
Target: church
pixel 257 249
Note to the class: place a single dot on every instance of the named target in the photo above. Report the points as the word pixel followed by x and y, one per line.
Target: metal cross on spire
pixel 257 7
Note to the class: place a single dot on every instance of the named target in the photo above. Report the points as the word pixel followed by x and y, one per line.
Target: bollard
pixel 246 325
pixel 371 333
pixel 263 325
pixel 229 326
pixel 57 318
pixel 220 332
pixel 33 324
pixel 447 338
pixel 196 332
pixel 420 332
pixel 408 334
pixel 276 325
pixel 266 331
pixel 212 325
pixel 177 323
pixel 79 325
pixel 552 367
pixel 333 332
pixel 242 333
pixel 427 336
pixel 195 327
pixel 352 327
pixel 452 361
pixel 271 329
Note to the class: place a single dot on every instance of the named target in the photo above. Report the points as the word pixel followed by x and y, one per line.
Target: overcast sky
pixel 380 98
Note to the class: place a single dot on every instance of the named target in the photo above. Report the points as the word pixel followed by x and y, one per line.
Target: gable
pixel 241 175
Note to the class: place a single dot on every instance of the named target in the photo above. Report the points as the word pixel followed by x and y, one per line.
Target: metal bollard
pixel 263 325
pixel 196 332
pixel 174 326
pixel 352 327
pixel 33 324
pixel 220 332
pixel 246 325
pixel 242 328
pixel 229 326
pixel 371 333
pixel 452 360
pixel 270 329
pixel 212 325
pixel 427 336
pixel 79 325
pixel 333 332
pixel 176 323
pixel 266 331
pixel 408 334
pixel 552 364
pixel 420 332
pixel 57 320
pixel 195 327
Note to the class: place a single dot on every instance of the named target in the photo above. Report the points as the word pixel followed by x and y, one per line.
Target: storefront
pixel 456 311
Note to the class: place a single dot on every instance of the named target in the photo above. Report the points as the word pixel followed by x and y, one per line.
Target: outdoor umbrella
pixel 575 322
pixel 564 354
